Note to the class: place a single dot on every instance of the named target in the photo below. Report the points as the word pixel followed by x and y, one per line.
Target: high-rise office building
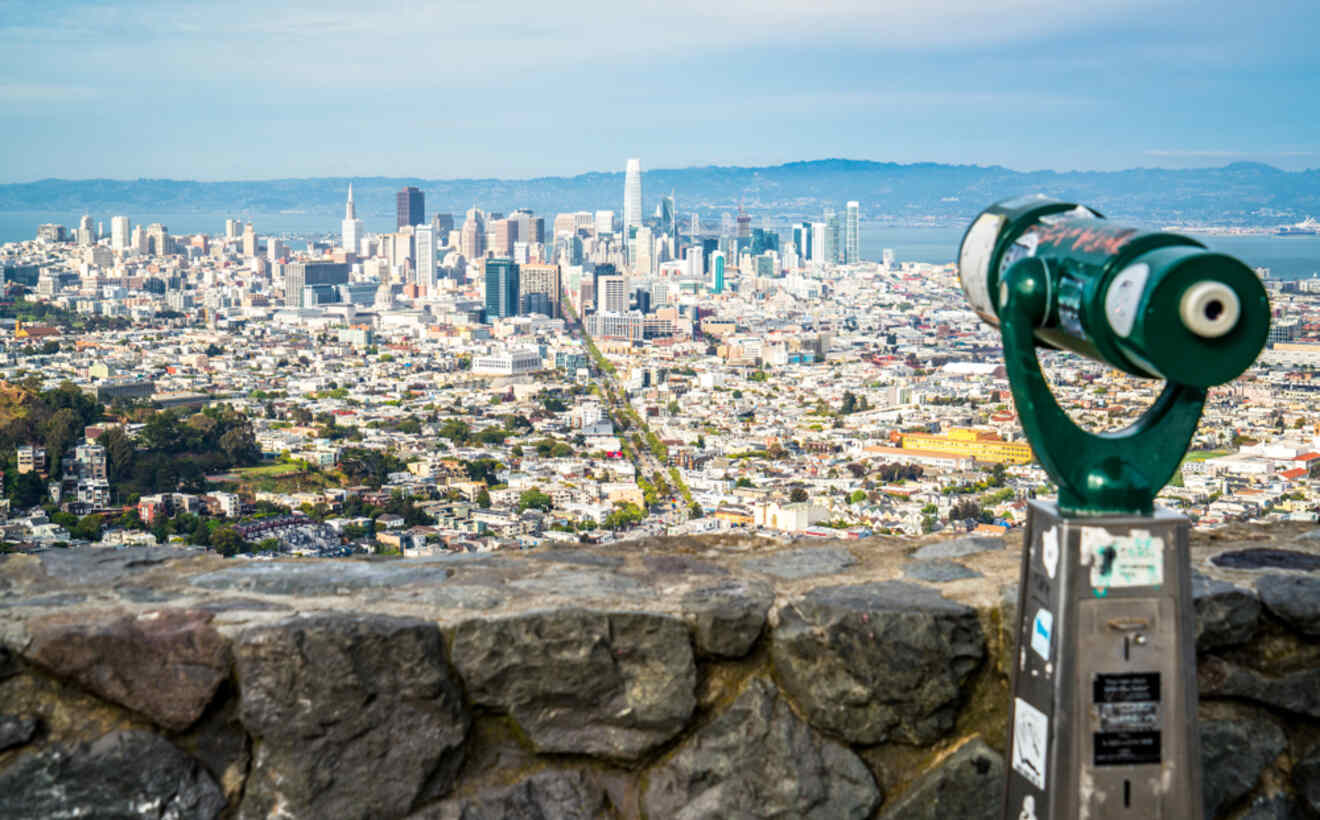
pixel 833 236
pixel 667 215
pixel 249 241
pixel 351 226
pixel 604 222
pixel 539 280
pixel 424 243
pixel 802 239
pixel 443 224
pixel 410 206
pixel 695 228
pixel 86 233
pixel 274 249
pixel 632 196
pixel 852 242
pixel 120 233
pixel 612 294
pixel 642 254
pixel 472 239
pixel 717 271
pixel 501 288
pixel 233 228
pixel 301 275
pixel 159 241
pixel 504 233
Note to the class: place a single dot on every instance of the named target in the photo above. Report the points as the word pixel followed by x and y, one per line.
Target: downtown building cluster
pixel 574 375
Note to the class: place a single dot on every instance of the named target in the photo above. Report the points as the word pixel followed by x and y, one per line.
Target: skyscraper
pixel 501 288
pixel 852 243
pixel 833 250
pixel 411 207
pixel 802 238
pixel 86 234
pixel 540 280
pixel 424 240
pixel 249 241
pixel 632 196
pixel 472 239
pixel 604 222
pixel 717 271
pixel 120 233
pixel 668 217
pixel 352 226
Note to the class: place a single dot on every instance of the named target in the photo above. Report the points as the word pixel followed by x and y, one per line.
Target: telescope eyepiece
pixel 1210 309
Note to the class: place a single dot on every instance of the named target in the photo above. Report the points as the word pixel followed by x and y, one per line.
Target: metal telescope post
pixel 1104 681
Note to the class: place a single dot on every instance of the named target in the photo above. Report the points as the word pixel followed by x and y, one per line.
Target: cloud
pixel 1210 153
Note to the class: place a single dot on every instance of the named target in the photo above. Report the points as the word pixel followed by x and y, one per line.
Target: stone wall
pixel 687 678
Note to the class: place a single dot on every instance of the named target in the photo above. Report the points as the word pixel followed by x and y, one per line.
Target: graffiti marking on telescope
pixel 1042 629
pixel 1049 551
pixel 1031 729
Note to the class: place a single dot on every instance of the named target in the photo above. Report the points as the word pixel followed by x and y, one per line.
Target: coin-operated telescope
pixel 1104 710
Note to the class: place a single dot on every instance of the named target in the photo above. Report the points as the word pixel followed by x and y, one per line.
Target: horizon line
pixel 709 166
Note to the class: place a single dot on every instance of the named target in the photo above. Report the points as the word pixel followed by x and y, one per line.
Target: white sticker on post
pixel 1132 560
pixel 1049 551
pixel 1031 730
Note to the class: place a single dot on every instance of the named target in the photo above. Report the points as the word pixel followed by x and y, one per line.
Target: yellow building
pixel 982 445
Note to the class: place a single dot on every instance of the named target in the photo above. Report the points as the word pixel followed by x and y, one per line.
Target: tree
pixel 88 528
pixel 743 481
pixel 858 470
pixel 483 498
pixel 59 431
pixel 534 499
pixel 849 403
pixel 119 452
pixel 227 541
pixel 624 515
pixel 798 495
pixel 26 490
pixel 857 497
pixel 694 511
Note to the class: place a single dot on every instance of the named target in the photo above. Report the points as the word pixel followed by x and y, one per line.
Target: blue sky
pixel 247 90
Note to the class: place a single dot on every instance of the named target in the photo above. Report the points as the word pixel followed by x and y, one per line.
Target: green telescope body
pixel 1152 304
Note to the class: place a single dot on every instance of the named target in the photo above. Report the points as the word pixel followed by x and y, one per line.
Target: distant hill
pixel 1238 194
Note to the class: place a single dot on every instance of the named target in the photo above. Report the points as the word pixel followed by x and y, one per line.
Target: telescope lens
pixel 1210 309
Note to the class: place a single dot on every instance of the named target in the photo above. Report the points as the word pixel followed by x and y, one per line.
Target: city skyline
pixel 1171 83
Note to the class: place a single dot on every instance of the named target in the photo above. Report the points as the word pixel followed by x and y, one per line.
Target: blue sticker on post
pixel 1042 629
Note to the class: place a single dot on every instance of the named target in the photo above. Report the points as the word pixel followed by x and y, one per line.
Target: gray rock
pixel 938 571
pixel 242 605
pixel 323 577
pixel 56 599
pixel 966 785
pixel 581 584
pixel 758 759
pixel 878 661
pixel 103 567
pixel 959 547
pixel 1225 614
pixel 165 664
pixel 581 557
pixel 1233 755
pixel 665 564
pixel 1295 599
pixel 456 596
pixel 808 562
pixel 727 618
pixel 1272 807
pixel 543 796
pixel 8 664
pixel 1008 609
pixel 16 731
pixel 355 716
pixel 1294 692
pixel 614 685
pixel 126 775
pixel 1306 779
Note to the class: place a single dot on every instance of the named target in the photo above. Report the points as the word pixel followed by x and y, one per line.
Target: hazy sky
pixel 243 89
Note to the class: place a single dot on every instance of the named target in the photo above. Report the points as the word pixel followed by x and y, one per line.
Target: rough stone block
pixel 16 731
pixel 1293 692
pixel 879 661
pixel 966 785
pixel 127 774
pixel 1225 614
pixel 758 759
pixel 355 716
pixel 727 618
pixel 543 796
pixel 610 684
pixel 1295 599
pixel 808 562
pixel 165 664
pixel 1306 779
pixel 1233 755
